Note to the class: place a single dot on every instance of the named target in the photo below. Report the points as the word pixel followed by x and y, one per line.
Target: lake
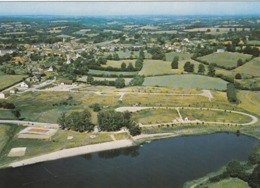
pixel 162 163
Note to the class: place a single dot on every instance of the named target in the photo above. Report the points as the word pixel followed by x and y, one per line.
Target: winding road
pixel 135 109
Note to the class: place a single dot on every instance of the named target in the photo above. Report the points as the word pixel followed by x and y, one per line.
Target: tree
pixel 175 62
pixel 238 76
pixel 231 93
pixel 201 69
pixel 234 168
pixel 130 67
pixel 77 121
pixel 188 67
pixel 123 66
pixel 96 107
pixel 211 69
pixel 120 82
pixel 239 62
pixel 134 130
pixel 139 64
pixel 90 79
pixel 254 178
pixel 16 113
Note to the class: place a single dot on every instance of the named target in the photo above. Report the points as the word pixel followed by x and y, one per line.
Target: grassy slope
pixel 251 68
pixel 229 183
pixel 107 73
pixel 6 80
pixel 186 81
pixel 227 59
pixel 117 64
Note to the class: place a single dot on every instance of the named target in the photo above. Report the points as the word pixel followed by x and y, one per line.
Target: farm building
pixel 14 90
pixel 4 95
pixel 189 118
pixel 220 50
pixel 25 85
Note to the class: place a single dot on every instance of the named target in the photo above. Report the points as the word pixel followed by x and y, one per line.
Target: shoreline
pixel 76 151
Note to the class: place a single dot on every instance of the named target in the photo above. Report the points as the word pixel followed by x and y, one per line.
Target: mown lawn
pixel 226 59
pixel 186 81
pixel 7 80
pixel 182 56
pixel 249 100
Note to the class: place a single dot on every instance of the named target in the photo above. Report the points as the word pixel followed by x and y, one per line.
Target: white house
pixel 3 95
pixel 24 85
pixel 220 50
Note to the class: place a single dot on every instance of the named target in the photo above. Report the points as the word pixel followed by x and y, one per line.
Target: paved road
pixel 135 109
pixel 31 123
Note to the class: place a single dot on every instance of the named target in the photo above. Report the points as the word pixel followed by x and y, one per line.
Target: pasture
pixel 111 73
pixel 225 59
pixel 253 42
pixel 127 54
pixel 182 56
pixel 186 81
pixel 251 68
pixel 117 64
pixel 249 100
pixel 8 80
pixel 229 183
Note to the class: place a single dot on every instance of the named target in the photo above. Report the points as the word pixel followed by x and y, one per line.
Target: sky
pixel 129 8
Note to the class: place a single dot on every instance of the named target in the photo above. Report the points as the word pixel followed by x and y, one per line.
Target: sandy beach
pixel 74 152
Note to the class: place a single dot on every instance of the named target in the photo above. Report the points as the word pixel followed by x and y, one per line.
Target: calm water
pixel 162 163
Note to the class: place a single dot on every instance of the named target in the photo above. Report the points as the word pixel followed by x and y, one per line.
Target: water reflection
pixel 110 154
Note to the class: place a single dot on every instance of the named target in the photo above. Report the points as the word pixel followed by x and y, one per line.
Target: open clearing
pixel 250 69
pixel 7 80
pixel 182 56
pixel 225 59
pixel 4 135
pixel 186 81
pixel 229 183
pixel 155 116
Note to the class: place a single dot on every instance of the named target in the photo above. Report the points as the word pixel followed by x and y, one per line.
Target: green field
pixel 216 116
pixel 4 135
pixel 251 84
pixel 254 42
pixel 39 106
pixel 155 116
pixel 6 114
pixel 111 73
pixel 251 68
pixel 182 56
pixel 127 53
pixel 7 80
pixel 229 183
pixel 186 81
pixel 117 64
pixel 249 100
pixel 225 59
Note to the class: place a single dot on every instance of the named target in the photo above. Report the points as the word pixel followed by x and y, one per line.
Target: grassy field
pixel 226 59
pixel 251 68
pixel 117 64
pixel 186 81
pixel 110 73
pixel 182 56
pixel 155 116
pixel 159 67
pixel 127 54
pixel 4 135
pixel 218 116
pixel 38 106
pixel 249 100
pixel 6 114
pixel 254 42
pixel 229 183
pixel 251 84
pixel 213 30
pixel 7 80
